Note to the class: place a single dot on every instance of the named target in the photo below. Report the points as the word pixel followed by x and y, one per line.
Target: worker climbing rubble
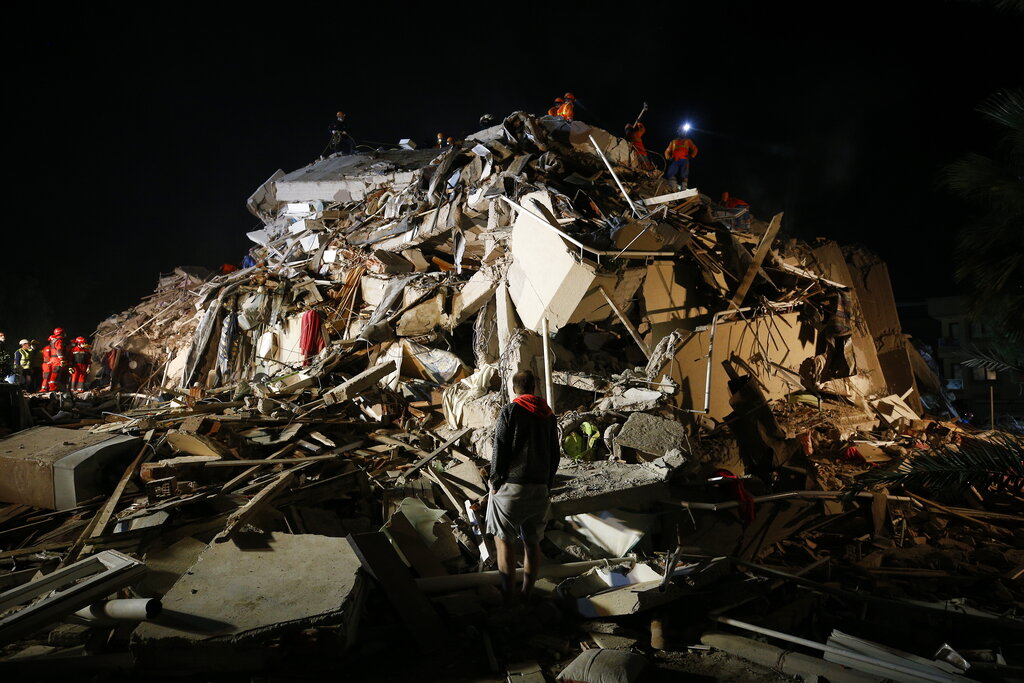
pixel 678 155
pixel 81 353
pixel 55 362
pixel 553 109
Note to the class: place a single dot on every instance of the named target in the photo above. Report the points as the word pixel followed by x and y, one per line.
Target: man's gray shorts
pixel 518 511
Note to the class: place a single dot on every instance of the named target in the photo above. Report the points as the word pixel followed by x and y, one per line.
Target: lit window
pixel 990 375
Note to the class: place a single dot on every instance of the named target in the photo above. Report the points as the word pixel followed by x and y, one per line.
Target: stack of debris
pixel 324 419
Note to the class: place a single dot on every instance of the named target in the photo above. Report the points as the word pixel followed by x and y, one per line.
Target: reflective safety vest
pixel 23 358
pixel 565 110
pixel 81 354
pixel 681 148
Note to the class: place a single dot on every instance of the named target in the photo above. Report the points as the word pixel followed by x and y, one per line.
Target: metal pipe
pixel 455 582
pixel 827 495
pixel 849 654
pixel 111 611
pixel 548 387
pixel 618 182
pixel 711 349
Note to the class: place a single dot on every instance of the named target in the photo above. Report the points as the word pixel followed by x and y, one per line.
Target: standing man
pixel 55 362
pixel 82 358
pixel 37 366
pixel 678 154
pixel 523 470
pixel 341 141
pixel 23 365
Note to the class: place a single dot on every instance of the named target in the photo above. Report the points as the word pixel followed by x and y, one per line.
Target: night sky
pixel 136 136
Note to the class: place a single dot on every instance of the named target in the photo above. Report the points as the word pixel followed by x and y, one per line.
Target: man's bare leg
pixel 507 567
pixel 531 565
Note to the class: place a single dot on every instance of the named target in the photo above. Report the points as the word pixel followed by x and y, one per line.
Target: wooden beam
pixel 763 247
pixel 625 321
pixel 426 459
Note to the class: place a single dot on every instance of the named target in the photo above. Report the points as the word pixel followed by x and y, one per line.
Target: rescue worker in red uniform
pixel 567 108
pixel 553 111
pixel 83 357
pixel 55 361
pixel 678 154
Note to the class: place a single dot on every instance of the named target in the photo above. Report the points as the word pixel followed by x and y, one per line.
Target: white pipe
pixel 850 654
pixel 136 609
pixel 455 582
pixel 629 201
pixel 828 495
pixel 548 387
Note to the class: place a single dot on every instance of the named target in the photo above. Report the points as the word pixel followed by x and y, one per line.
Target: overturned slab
pixel 592 486
pixel 57 469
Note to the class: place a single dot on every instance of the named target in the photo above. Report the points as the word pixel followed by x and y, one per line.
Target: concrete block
pixel 652 434
pixel 57 469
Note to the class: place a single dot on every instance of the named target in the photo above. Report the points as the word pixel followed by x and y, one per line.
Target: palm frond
pixel 989 359
pixel 995 461
pixel 1005 107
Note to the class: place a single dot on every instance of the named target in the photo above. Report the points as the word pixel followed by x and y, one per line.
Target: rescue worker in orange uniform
pixel 732 202
pixel 742 221
pixel 553 111
pixel 567 108
pixel 82 356
pixel 678 154
pixel 55 361
pixel 635 136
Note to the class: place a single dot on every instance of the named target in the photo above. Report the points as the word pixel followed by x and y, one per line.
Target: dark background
pixel 136 136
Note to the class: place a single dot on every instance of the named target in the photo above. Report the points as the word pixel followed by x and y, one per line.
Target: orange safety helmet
pixel 58 332
pixel 340 114
pixel 559 100
pixel 81 340
pixel 569 96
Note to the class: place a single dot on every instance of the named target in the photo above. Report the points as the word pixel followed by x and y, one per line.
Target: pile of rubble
pixel 275 443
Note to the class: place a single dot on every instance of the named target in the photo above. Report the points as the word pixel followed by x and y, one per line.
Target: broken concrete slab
pixel 232 594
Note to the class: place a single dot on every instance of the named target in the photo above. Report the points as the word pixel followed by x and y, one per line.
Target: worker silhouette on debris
pixel 736 205
pixel 553 110
pixel 341 142
pixel 678 154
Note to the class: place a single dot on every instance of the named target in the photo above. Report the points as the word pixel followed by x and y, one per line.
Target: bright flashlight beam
pixel 686 127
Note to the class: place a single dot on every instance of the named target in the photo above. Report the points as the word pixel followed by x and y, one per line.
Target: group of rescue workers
pixel 677 155
pixel 60 365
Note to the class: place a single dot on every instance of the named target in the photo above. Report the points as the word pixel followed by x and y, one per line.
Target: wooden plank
pixel 98 525
pixel 763 247
pixel 242 515
pixel 430 456
pixel 381 561
pixel 245 476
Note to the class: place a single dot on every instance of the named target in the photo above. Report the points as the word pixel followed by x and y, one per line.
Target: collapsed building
pixel 719 389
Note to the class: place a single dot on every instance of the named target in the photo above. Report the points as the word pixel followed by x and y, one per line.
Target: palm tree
pixel 990 250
